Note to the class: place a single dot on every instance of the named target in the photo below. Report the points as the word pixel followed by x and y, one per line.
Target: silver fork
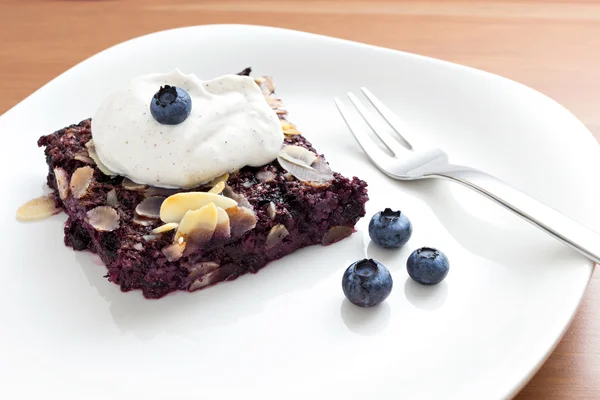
pixel 412 161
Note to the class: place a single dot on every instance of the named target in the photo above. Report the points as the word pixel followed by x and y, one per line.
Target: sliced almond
pixel 128 184
pixel 149 238
pixel 200 269
pixel 288 128
pixel 80 181
pixel 298 155
pixel 36 209
pixel 174 251
pixel 174 207
pixel 276 235
pixel 198 226
pixel 112 199
pixel 318 171
pixel 336 233
pixel 103 218
pixel 240 199
pixel 218 188
pixel 285 124
pixel 165 228
pixel 208 279
pixel 62 182
pixel 265 176
pixel 223 229
pixel 84 158
pixel 266 83
pixel 274 102
pixel 143 221
pixel 241 220
pixel 91 148
pixel 271 210
pixel 150 207
pixel 214 276
pixel 138 247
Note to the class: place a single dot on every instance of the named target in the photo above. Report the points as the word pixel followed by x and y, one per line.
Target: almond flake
pixel 36 209
pixel 150 207
pixel 174 251
pixel 197 226
pixel 266 84
pixel 143 221
pixel 271 210
pixel 103 218
pixel 62 183
pixel 175 207
pixel 218 188
pixel 128 184
pixel 265 176
pixel 80 181
pixel 241 220
pixel 288 128
pixel 295 162
pixel 274 102
pixel 84 158
pixel 223 229
pixel 112 199
pixel 206 280
pixel 200 269
pixel 298 155
pixel 165 228
pixel 240 199
pixel 276 235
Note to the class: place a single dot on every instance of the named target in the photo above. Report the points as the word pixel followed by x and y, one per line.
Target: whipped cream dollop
pixel 230 126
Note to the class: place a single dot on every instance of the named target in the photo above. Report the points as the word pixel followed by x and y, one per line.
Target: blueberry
pixel 170 105
pixel 390 228
pixel 367 283
pixel 427 266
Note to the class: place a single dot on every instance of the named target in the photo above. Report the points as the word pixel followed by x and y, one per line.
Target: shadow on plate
pixel 184 314
pixel 393 259
pixel 507 245
pixel 426 297
pixel 365 321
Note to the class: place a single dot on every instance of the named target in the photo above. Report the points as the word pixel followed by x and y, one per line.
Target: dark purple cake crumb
pixel 135 260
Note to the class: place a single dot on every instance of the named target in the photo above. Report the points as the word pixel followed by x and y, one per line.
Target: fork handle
pixel 563 228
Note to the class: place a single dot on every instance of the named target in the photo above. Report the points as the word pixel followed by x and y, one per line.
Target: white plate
pixel 287 330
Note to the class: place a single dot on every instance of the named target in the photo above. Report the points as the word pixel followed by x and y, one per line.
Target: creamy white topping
pixel 229 127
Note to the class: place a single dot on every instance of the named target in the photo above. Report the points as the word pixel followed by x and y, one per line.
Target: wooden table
pixel 550 46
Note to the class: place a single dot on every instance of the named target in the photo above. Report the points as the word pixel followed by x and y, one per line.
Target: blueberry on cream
pixel 170 105
pixel 225 126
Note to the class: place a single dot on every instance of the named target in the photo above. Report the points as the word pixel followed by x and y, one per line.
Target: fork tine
pixel 388 115
pixel 375 153
pixel 377 126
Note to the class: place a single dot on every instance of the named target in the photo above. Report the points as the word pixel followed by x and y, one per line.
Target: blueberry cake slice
pixel 160 240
